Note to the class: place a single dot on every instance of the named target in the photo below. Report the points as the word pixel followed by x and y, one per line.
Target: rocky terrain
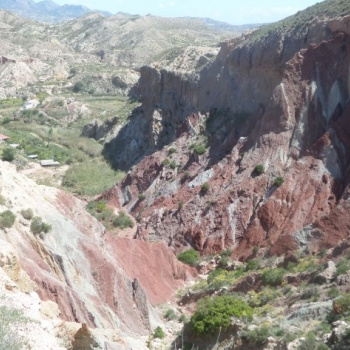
pixel 101 53
pixel 236 160
pixel 264 127
pixel 77 273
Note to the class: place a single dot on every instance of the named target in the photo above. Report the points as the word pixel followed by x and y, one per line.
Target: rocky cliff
pixel 276 99
pixel 82 273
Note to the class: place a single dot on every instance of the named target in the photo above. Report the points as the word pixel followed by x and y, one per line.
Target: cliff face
pixel 280 101
pixel 79 266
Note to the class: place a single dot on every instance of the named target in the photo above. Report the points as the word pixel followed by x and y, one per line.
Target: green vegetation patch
pixel 273 277
pixel 38 226
pixel 216 313
pixel 123 221
pixel 189 257
pixel 7 219
pixel 90 178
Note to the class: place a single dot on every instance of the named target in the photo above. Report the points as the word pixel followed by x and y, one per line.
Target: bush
pixel 199 149
pixel 216 313
pixel 273 277
pixel 342 267
pixel 205 188
pixel 158 333
pixel 173 165
pixel 165 162
pixel 186 176
pixel 8 154
pixel 259 169
pixel 172 150
pixel 78 87
pixel 7 219
pixel 189 257
pixel 212 275
pixel 278 181
pixel 2 200
pixel 170 314
pixel 333 292
pixel 252 265
pixel 27 214
pixel 180 205
pixel 224 261
pixel 142 197
pixel 123 221
pixel 37 225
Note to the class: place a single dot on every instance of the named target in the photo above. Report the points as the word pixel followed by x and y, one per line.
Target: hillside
pixel 236 160
pixel 251 154
pixel 101 53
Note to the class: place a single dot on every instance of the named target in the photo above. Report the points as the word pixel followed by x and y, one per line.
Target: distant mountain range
pixel 50 12
pixel 46 10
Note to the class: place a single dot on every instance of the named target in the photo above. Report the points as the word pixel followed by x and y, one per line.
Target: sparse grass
pixel 10 321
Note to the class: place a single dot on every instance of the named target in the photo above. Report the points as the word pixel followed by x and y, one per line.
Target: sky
pixel 230 11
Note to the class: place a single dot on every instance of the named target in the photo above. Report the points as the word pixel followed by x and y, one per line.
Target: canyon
pixel 238 152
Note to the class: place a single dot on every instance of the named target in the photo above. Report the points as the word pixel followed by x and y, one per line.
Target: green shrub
pixel 165 162
pixel 216 313
pixel 172 150
pixel 8 154
pixel 212 275
pixel 273 277
pixel 259 169
pixel 252 265
pixel 311 343
pixel 2 200
pixel 158 333
pixel 142 197
pixel 180 205
pixel 123 221
pixel 205 188
pixel 333 292
pixel 342 267
pixel 255 249
pixel 278 181
pixel 173 165
pixel 170 314
pixel 267 294
pixel 259 336
pixel 7 219
pixel 342 304
pixel 226 253
pixel 27 214
pixel 199 149
pixel 37 225
pixel 224 261
pixel 78 87
pixel 186 176
pixel 189 257
pixel 183 318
